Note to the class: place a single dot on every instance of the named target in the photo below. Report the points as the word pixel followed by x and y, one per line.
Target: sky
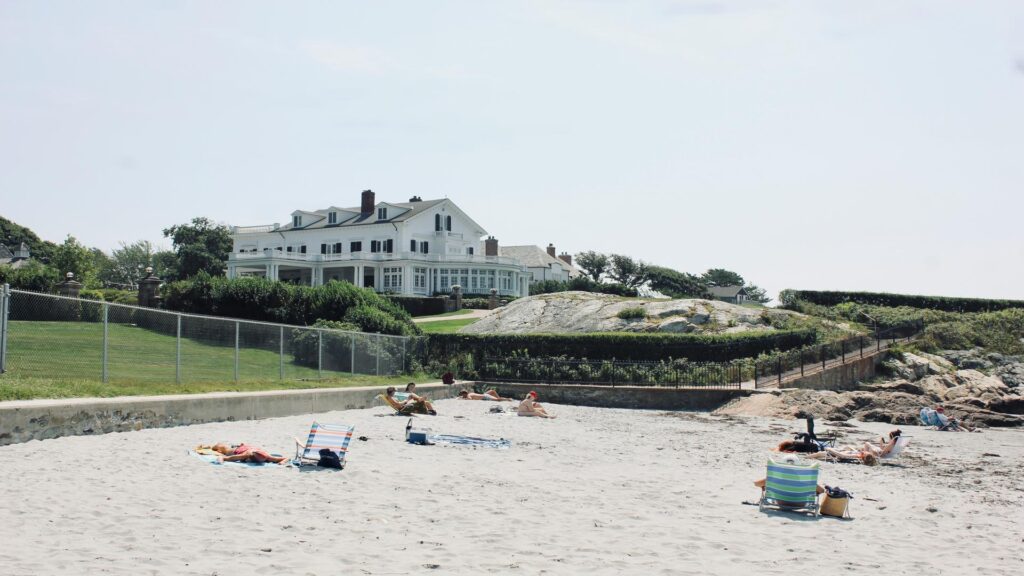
pixel 818 144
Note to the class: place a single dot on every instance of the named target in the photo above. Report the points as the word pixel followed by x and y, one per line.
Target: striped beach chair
pixel 334 437
pixel 791 486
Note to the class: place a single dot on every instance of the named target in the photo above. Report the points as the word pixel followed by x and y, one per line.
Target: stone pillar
pixel 149 290
pixel 492 302
pixel 69 287
pixel 457 296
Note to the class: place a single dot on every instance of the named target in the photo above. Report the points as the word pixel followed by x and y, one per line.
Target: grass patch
pixel 65 359
pixel 445 315
pixel 13 387
pixel 632 313
pixel 446 326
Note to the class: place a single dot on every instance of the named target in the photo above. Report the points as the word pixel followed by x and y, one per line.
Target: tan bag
pixel 834 507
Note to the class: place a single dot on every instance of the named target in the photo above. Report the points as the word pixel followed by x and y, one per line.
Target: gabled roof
pixel 5 253
pixel 536 257
pixel 727 291
pixel 356 218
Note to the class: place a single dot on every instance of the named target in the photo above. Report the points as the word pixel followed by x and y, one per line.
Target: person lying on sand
pixel 487 395
pixel 529 407
pixel 867 454
pixel 242 453
pixel 410 406
pixel 799 446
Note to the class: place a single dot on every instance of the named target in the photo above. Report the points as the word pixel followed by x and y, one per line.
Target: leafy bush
pixel 632 313
pixel 582 284
pixel 32 276
pixel 1001 332
pixel 423 306
pixel 271 301
pixel 789 298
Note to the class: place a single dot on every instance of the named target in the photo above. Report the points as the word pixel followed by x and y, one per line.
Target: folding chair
pixel 334 437
pixel 791 486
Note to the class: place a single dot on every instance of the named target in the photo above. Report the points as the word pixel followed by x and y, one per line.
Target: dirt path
pixel 471 314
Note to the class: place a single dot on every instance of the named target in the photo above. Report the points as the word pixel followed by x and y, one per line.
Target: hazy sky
pixel 871 145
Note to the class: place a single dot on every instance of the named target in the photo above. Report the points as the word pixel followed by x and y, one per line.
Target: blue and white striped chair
pixel 791 486
pixel 334 437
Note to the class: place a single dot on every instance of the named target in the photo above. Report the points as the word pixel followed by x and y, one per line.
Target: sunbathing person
pixel 410 406
pixel 410 390
pixel 242 453
pixel 530 407
pixel 799 446
pixel 487 395
pixel 867 454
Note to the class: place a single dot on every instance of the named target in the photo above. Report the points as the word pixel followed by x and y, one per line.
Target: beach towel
pixel 500 443
pixel 210 457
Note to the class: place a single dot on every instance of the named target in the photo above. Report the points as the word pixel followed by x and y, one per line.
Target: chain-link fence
pixel 48 336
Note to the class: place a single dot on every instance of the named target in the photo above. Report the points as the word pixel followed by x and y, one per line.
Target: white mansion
pixel 414 248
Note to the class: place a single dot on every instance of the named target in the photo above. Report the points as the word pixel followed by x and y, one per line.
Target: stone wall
pixel 843 377
pixel 24 420
pixel 636 397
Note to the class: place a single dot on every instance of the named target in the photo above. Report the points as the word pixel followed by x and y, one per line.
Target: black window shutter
pixel 437 222
pixel 412 245
pixel 337 247
pixel 448 223
pixel 302 248
pixel 426 247
pixel 323 248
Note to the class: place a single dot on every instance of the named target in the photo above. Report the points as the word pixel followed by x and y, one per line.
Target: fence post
pixel 5 299
pixel 842 349
pixel 378 353
pixel 405 356
pixel 352 349
pixel 236 349
pixel 801 362
pixel 320 354
pixel 778 367
pixel 280 366
pixel 177 353
pixel 861 346
pixel 822 349
pixel 755 374
pixel 106 340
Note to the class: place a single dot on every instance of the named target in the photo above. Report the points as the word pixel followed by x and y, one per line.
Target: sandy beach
pixel 597 491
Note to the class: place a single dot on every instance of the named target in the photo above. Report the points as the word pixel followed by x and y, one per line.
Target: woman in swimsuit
pixel 487 395
pixel 529 407
pixel 244 453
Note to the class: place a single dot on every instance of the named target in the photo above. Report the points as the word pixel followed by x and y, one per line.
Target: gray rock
pixel 676 325
pixel 1011 374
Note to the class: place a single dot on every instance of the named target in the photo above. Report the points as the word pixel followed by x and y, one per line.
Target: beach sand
pixel 596 491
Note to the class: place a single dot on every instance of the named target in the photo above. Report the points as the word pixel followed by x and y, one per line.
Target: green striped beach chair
pixel 791 486
pixel 334 437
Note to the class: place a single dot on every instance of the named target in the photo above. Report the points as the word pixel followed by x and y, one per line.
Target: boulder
pixel 1008 405
pixel 894 386
pixel 676 325
pixel 1012 374
pixel 935 387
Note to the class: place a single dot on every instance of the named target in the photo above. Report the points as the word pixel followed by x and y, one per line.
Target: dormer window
pixel 296 221
pixel 332 217
pixel 382 213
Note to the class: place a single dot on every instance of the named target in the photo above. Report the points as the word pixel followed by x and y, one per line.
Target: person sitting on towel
pixel 487 395
pixel 242 453
pixel 410 390
pixel 410 406
pixel 530 407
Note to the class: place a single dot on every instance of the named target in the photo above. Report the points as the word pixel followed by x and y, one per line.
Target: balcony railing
pixel 450 259
pixel 254 229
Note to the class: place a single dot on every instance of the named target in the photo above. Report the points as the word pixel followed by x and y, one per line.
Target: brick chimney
pixel 566 257
pixel 491 246
pixel 369 201
pixel 415 199
pixel 551 250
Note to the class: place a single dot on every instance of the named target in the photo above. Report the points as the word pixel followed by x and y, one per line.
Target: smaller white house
pixel 543 264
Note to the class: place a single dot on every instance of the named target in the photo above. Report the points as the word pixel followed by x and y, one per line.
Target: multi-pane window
pixel 419 278
pixel 392 278
pixel 328 248
pixel 332 217
pixel 382 246
pixel 296 221
pixel 424 247
pixel 382 213
pixel 469 250
pixel 355 246
pixel 302 249
pixel 374 246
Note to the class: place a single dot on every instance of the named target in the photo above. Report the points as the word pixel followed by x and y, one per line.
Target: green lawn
pixel 63 359
pixel 445 326
pixel 455 313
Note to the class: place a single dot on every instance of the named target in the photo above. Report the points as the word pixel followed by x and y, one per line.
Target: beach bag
pixel 329 459
pixel 835 503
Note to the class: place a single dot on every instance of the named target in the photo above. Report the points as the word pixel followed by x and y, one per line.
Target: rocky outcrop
pixel 567 312
pixel 922 380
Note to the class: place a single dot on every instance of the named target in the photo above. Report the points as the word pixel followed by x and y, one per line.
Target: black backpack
pixel 329 459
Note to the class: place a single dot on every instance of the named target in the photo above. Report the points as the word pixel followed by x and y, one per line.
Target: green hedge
pixel 271 301
pixel 420 305
pixel 617 346
pixel 790 297
pixel 582 284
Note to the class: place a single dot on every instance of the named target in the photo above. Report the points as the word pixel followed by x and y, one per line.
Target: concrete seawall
pixel 636 397
pixel 24 420
pixel 841 377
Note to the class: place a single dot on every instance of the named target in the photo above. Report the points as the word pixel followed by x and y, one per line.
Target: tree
pixel 676 284
pixel 627 271
pixel 593 263
pixel 71 256
pixel 722 277
pixel 12 234
pixel 757 294
pixel 127 264
pixel 200 245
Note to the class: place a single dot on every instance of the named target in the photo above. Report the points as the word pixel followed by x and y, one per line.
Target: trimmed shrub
pixel 789 299
pixel 581 284
pixel 422 306
pixel 33 276
pixel 270 301
pixel 620 346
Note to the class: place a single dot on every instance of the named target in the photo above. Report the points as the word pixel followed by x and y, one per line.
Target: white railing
pixel 451 259
pixel 254 229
